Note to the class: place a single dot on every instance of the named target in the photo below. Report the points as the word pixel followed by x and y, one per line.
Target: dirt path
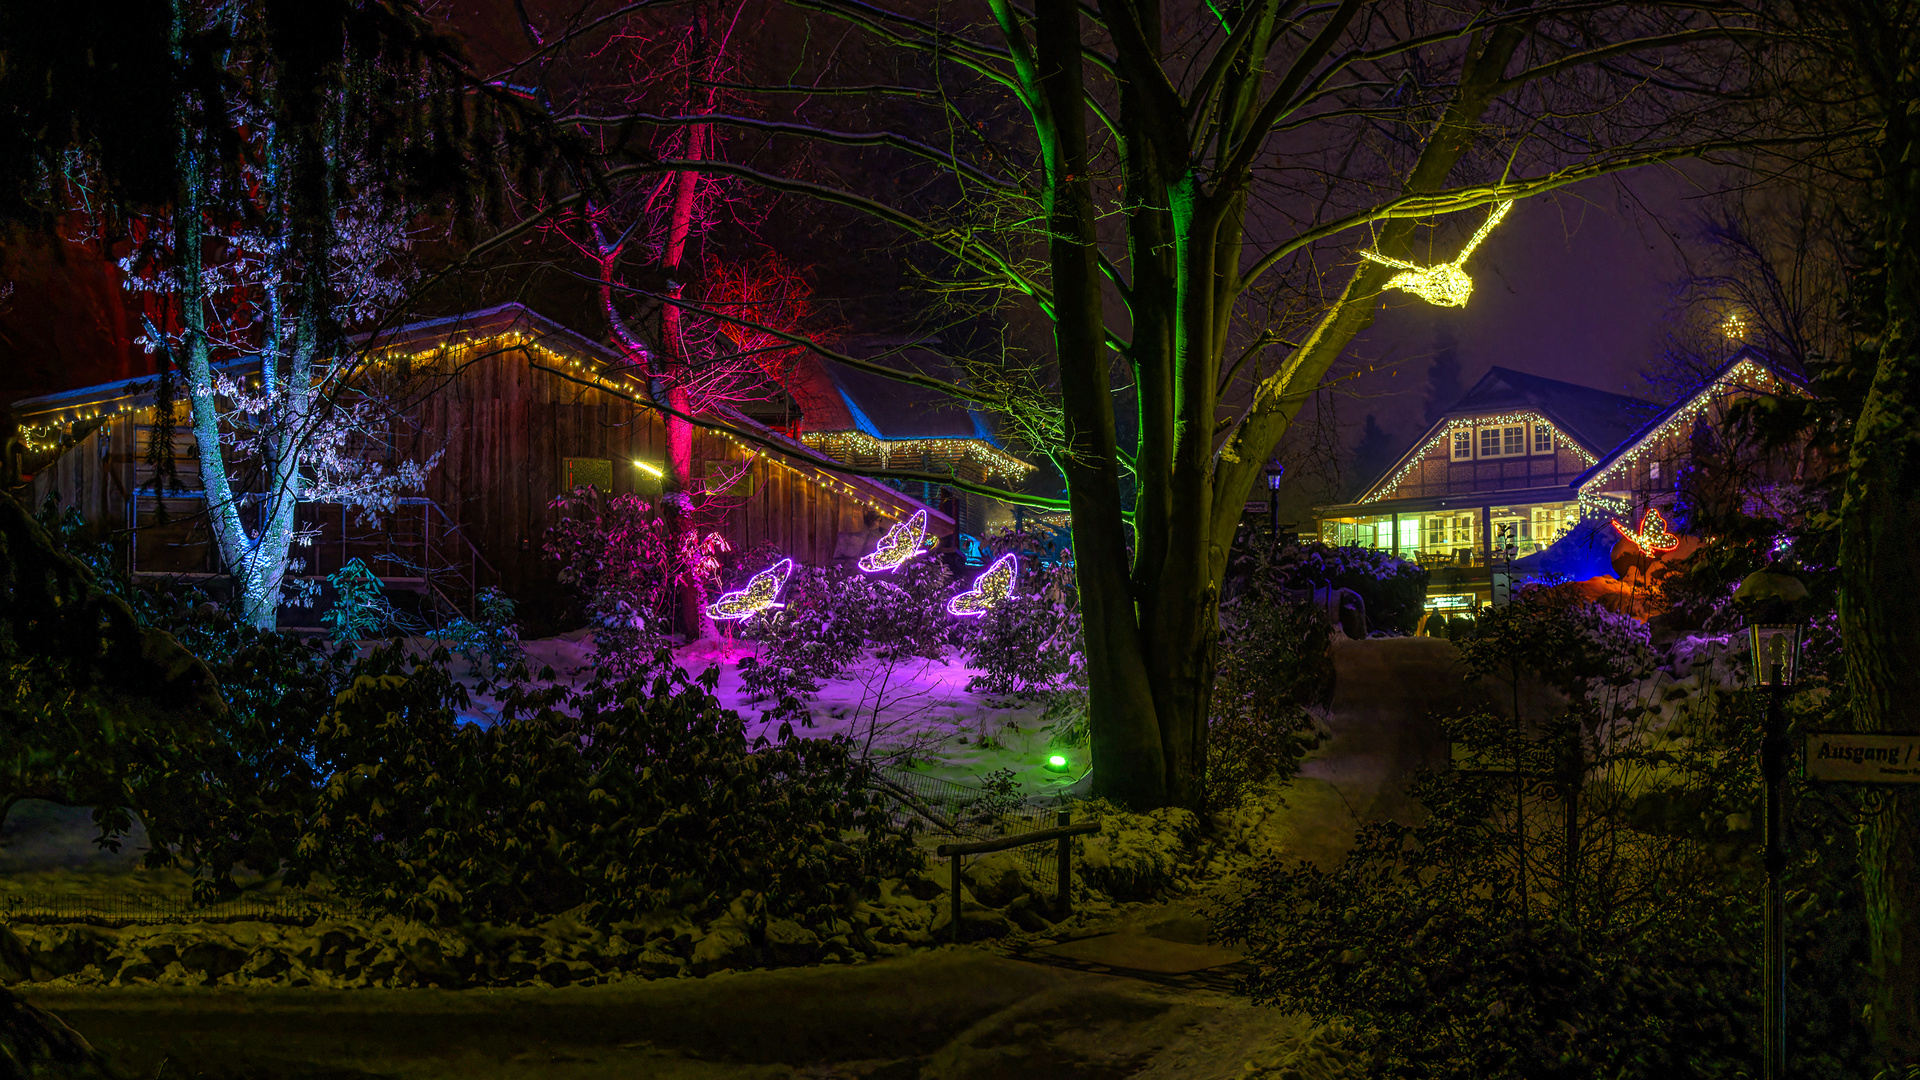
pixel 951 1014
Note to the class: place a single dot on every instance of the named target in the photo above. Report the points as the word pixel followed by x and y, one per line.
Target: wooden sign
pixel 1862 757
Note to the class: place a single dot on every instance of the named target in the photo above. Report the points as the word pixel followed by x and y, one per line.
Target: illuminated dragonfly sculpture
pixel 989 589
pixel 759 594
pixel 902 542
pixel 1445 284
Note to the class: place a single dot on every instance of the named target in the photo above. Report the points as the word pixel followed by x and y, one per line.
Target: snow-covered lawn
pixel 913 710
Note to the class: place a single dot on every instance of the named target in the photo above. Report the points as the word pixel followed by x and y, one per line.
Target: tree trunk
pixel 1880 571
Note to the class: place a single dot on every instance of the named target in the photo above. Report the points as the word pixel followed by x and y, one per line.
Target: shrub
pixel 629 795
pixel 493 634
pixel 1394 590
pixel 628 565
pixel 1030 644
pixel 1273 663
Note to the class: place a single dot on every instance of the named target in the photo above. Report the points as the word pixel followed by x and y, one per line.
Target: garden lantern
pixel 1772 599
pixel 1275 471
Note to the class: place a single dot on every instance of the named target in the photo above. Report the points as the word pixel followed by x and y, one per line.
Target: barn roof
pixel 526 326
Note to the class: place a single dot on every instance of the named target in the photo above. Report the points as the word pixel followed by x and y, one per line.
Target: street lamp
pixel 1275 471
pixel 1771 601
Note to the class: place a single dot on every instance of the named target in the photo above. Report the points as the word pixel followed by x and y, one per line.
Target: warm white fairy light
pixel 1734 326
pixel 1446 433
pixel 1652 537
pixel 37 438
pixel 759 594
pixel 1445 284
pixel 992 460
pixel 993 585
pixel 902 542
pixel 1761 379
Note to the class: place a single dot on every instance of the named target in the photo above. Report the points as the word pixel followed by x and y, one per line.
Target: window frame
pixel 1500 434
pixel 1542 441
pixel 1462 435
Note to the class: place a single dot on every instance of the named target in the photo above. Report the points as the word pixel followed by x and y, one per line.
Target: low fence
pixel 946 811
pixel 132 909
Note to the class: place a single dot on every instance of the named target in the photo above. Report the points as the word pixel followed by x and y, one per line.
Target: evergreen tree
pixel 1443 375
pixel 1374 455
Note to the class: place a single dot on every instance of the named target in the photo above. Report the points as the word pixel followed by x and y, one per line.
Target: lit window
pixel 1463 445
pixel 1653 470
pixel 1509 440
pixel 1542 439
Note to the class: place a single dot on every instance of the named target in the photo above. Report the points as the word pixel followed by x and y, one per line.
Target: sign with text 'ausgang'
pixel 1863 759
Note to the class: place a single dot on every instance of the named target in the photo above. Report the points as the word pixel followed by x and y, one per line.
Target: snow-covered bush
pixel 628 565
pixel 1394 589
pixel 1273 662
pixel 493 633
pixel 1030 644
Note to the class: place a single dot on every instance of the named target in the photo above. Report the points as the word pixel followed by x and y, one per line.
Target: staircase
pixel 414 547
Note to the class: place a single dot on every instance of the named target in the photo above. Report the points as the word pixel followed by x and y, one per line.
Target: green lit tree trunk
pixel 1151 616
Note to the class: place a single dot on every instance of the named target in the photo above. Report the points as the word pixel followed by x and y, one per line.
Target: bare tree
pixel 1183 196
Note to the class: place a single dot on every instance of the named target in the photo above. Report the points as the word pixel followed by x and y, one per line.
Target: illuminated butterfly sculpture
pixel 757 597
pixel 902 542
pixel 1446 284
pixel 992 586
pixel 1652 536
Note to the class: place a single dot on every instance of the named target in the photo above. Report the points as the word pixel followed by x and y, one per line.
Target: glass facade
pixel 1455 537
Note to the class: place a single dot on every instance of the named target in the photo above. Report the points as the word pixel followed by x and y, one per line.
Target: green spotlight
pixel 1057 763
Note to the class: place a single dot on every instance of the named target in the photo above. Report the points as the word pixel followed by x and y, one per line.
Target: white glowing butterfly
pixel 989 589
pixel 1445 284
pixel 902 542
pixel 758 596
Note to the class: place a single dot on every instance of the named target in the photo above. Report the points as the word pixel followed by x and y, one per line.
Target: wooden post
pixel 953 861
pixel 1063 898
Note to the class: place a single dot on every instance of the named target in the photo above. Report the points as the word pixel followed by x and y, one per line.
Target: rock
pixel 654 963
pixel 996 879
pixel 212 957
pixel 1025 914
pixel 790 943
pixel 63 950
pixel 726 945
pixel 976 924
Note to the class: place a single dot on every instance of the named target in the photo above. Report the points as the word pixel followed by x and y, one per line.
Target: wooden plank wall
pixel 503 428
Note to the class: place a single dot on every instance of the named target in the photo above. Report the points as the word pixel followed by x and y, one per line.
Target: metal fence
pixel 132 909
pixel 947 811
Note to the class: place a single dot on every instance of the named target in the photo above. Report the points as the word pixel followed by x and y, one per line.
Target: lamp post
pixel 1275 471
pixel 1771 599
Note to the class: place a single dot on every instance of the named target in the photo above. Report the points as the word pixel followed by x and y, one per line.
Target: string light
pixel 993 585
pixel 1734 326
pixel 1444 284
pixel 1446 433
pixel 902 542
pixel 758 596
pixel 1652 536
pixel 1744 370
pixel 45 436
pixel 990 459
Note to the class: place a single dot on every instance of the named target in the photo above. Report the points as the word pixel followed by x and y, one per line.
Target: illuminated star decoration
pixel 991 587
pixel 1446 284
pixel 757 597
pixel 902 542
pixel 1652 536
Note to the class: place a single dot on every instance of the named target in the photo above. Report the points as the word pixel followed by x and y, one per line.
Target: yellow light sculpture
pixel 902 542
pixel 989 589
pixel 1446 284
pixel 757 597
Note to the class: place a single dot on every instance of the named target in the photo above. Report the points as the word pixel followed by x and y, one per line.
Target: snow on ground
pixel 913 710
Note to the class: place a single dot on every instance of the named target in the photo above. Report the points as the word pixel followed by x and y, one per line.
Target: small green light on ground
pixel 1057 763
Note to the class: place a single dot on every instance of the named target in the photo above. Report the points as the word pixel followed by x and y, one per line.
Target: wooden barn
pixel 518 409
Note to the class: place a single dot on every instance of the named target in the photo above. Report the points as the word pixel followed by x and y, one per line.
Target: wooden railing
pixel 414 546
